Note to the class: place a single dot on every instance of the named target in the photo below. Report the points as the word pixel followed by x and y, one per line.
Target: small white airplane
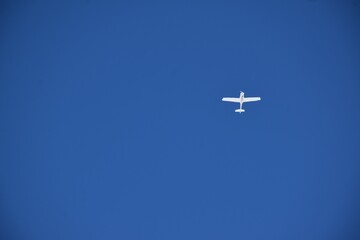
pixel 241 100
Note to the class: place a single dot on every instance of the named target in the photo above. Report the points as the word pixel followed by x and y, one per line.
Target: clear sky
pixel 112 125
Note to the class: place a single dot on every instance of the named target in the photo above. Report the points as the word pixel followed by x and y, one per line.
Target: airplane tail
pixel 239 110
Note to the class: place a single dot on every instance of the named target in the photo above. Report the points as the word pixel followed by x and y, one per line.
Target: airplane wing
pixel 252 99
pixel 229 99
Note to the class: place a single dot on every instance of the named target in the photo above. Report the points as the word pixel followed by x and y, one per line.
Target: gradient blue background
pixel 112 125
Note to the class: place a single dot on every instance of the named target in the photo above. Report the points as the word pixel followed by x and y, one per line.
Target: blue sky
pixel 112 125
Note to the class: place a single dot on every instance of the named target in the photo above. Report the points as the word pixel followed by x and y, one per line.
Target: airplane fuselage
pixel 241 97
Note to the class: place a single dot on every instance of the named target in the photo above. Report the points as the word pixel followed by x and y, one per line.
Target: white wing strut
pixel 252 99
pixel 229 99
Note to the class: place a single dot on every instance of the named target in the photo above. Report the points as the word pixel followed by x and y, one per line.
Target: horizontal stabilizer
pixel 239 110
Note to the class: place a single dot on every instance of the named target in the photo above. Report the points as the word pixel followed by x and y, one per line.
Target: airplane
pixel 242 99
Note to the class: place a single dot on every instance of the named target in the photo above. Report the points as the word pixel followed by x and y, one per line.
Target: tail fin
pixel 239 110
